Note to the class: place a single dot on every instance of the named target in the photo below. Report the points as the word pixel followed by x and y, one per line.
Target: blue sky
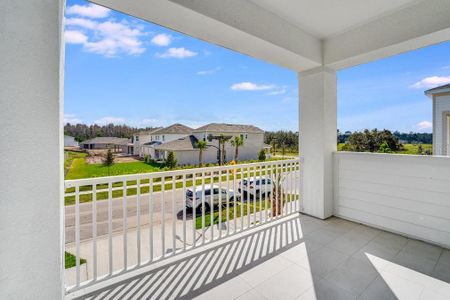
pixel 122 70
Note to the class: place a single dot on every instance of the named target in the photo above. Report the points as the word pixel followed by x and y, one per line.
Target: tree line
pixel 282 140
pixel 406 138
pixel 82 132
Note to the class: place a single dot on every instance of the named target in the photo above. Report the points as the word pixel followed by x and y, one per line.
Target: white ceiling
pixel 324 18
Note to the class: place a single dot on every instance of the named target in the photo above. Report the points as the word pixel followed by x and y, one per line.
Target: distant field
pixel 407 148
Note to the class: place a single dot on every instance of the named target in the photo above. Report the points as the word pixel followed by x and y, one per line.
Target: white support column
pixel 31 156
pixel 317 90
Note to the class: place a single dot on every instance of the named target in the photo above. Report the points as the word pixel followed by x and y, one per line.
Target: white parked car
pixel 213 196
pixel 258 186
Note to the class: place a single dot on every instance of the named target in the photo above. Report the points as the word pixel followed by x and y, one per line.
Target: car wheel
pixel 199 209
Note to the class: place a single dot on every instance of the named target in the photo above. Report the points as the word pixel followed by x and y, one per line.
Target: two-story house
pixel 187 153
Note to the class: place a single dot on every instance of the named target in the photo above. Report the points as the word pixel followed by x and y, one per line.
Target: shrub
pixel 262 155
pixel 171 161
pixel 384 148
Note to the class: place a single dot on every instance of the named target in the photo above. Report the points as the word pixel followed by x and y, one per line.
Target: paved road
pixel 172 210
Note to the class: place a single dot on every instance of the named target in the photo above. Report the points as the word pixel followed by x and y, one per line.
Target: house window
pixel 137 138
pixel 246 136
pixel 163 138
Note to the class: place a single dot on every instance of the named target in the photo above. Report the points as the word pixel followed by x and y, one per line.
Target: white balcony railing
pixel 122 223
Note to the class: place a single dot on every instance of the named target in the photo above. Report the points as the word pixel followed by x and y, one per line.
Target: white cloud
pixel 445 68
pixel 80 22
pixel 208 72
pixel 177 53
pixel 430 82
pixel 424 125
pixel 250 86
pixel 109 38
pixel 161 39
pixel 279 91
pixel 75 37
pixel 109 120
pixel 89 11
pixel 72 119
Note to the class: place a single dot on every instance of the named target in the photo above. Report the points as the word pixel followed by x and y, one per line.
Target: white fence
pixel 406 194
pixel 123 223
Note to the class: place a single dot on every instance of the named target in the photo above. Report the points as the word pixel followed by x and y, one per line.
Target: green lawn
pixel 71 260
pixel 70 156
pixel 81 169
pixel 242 209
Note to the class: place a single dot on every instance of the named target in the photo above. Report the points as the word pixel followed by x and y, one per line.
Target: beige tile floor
pixel 298 258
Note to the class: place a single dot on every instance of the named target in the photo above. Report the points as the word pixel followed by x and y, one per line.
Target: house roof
pixel 107 140
pixel 182 144
pixel 224 127
pixel 148 132
pixel 439 89
pixel 174 129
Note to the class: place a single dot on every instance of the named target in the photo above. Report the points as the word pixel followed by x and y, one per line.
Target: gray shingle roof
pixel 147 132
pixel 185 143
pixel 107 140
pixel 223 127
pixel 174 129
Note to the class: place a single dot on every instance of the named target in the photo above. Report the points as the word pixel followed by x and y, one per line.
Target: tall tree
pixel 222 139
pixel 201 146
pixel 237 142
pixel 108 161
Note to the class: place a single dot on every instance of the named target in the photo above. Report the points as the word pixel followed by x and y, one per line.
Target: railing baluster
pixel 174 217
pixel 184 212
pixel 125 225
pixel 94 231
pixel 255 195
pixel 234 199
pixel 163 229
pixel 242 198
pixel 220 205
pixel 150 213
pixel 260 193
pixel 194 209
pixel 249 197
pixel 77 234
pixel 138 213
pixel 212 202
pixel 110 242
pixel 277 189
pixel 228 202
pixel 202 207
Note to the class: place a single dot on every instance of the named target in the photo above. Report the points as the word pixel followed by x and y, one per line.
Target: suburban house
pixel 114 143
pixel 441 119
pixel 145 141
pixel 182 140
pixel 69 141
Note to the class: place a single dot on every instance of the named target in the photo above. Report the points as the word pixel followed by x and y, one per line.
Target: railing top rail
pixel 128 177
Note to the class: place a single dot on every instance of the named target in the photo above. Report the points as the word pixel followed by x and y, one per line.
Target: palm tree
pixel 201 146
pixel 236 142
pixel 222 139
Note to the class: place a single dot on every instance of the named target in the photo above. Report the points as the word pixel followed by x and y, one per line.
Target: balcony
pixel 362 225
pixel 146 244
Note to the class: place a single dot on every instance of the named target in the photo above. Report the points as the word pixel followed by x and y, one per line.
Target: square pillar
pixel 318 129
pixel 31 157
